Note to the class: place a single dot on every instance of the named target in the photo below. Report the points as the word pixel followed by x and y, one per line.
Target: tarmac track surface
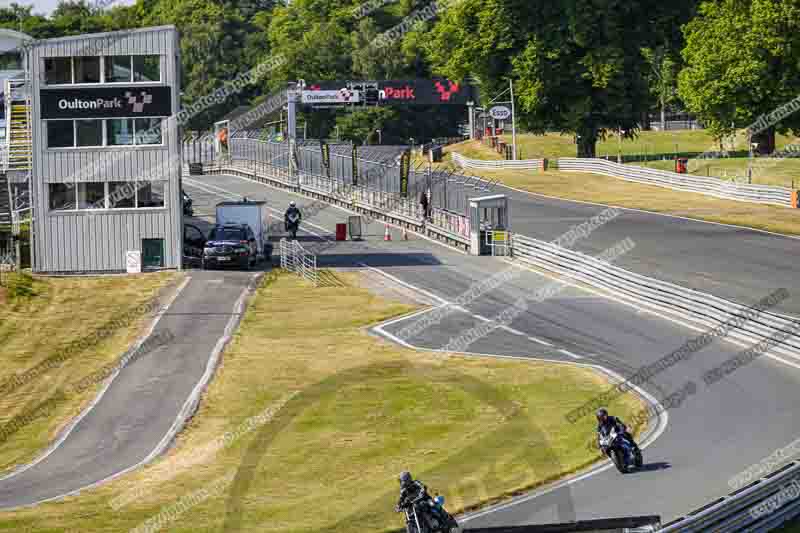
pixel 716 433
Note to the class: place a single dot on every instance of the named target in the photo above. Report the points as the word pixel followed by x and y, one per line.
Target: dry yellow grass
pixel 349 411
pixel 612 191
pixel 41 328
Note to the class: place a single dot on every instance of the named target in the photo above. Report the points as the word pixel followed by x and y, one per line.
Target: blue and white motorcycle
pixel 621 451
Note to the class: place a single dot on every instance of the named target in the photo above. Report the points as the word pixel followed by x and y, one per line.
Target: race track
pixel 717 432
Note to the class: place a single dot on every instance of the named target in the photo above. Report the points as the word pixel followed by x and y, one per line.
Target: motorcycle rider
pixel 292 219
pixel 606 423
pixel 413 492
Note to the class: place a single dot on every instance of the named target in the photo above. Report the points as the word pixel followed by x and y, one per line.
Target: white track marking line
pixel 351 212
pixel 188 406
pixel 482 318
pixel 429 294
pixel 661 426
pixel 108 383
pixel 570 354
pixel 644 211
pixel 223 193
pixel 513 331
pixel 540 341
pixel 668 318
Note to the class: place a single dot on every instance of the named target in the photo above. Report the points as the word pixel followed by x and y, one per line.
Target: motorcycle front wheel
pixel 618 458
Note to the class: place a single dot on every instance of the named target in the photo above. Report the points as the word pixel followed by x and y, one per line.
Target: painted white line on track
pixel 223 193
pixel 661 424
pixel 570 354
pixel 513 331
pixel 540 341
pixel 431 295
pixel 644 211
pixel 351 212
pixel 482 318
pixel 642 309
pixel 99 396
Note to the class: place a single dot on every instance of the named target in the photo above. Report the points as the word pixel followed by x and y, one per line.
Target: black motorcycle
pixel 621 451
pixel 428 515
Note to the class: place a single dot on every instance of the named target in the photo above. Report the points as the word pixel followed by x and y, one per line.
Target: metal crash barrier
pixel 635 524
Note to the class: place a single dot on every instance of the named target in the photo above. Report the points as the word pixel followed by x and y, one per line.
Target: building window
pixel 96 69
pixel 62 196
pixel 87 69
pixel 89 133
pixel 60 133
pixel 106 195
pixel 122 194
pixel 148 131
pixel 120 132
pixel 118 69
pixel 150 194
pixel 146 68
pixel 91 195
pixel 57 70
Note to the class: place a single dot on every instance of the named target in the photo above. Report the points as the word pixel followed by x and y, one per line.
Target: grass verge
pixel 341 413
pixel 613 191
pixel 54 332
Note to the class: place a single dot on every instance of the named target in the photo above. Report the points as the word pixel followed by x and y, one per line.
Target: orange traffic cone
pixel 387 236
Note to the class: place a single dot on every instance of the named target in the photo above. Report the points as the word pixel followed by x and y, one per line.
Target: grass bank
pixel 612 191
pixel 310 418
pixel 54 332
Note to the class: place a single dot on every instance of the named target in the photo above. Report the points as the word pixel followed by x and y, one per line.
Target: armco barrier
pixel 735 512
pixel 378 205
pixel 742 510
pixel 687 304
pixel 527 164
pixel 762 194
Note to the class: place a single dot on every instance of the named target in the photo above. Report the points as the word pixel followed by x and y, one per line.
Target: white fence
pixel 762 194
pixel 297 259
pixel 758 506
pixel 526 164
pixel 687 304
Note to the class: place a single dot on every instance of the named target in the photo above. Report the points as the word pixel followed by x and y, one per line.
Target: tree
pixel 743 61
pixel 662 79
pixel 577 64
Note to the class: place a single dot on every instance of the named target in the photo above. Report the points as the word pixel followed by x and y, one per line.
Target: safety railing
pixel 297 259
pixel 761 506
pixel 451 222
pixel 700 308
pixel 478 164
pixel 719 188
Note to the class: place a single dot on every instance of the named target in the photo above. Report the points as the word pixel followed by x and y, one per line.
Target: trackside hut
pixel 106 166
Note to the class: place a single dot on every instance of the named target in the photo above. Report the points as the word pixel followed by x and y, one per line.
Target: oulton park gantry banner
pixel 437 91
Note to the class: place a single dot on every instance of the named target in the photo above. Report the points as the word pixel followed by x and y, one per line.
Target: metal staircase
pixel 19 137
pixel 18 154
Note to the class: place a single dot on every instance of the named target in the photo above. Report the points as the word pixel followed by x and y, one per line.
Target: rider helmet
pixel 292 204
pixel 602 414
pixel 405 478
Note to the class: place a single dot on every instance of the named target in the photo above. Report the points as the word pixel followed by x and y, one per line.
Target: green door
pixel 152 253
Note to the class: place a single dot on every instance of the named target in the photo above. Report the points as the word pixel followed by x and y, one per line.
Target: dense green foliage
pixel 584 67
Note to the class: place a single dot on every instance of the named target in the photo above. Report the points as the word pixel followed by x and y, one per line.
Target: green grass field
pixel 648 145
pixel 342 413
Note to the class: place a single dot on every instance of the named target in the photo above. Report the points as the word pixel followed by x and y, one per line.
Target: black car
pixel 230 245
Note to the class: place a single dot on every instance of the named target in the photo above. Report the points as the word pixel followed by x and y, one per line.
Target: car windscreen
pixel 222 234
